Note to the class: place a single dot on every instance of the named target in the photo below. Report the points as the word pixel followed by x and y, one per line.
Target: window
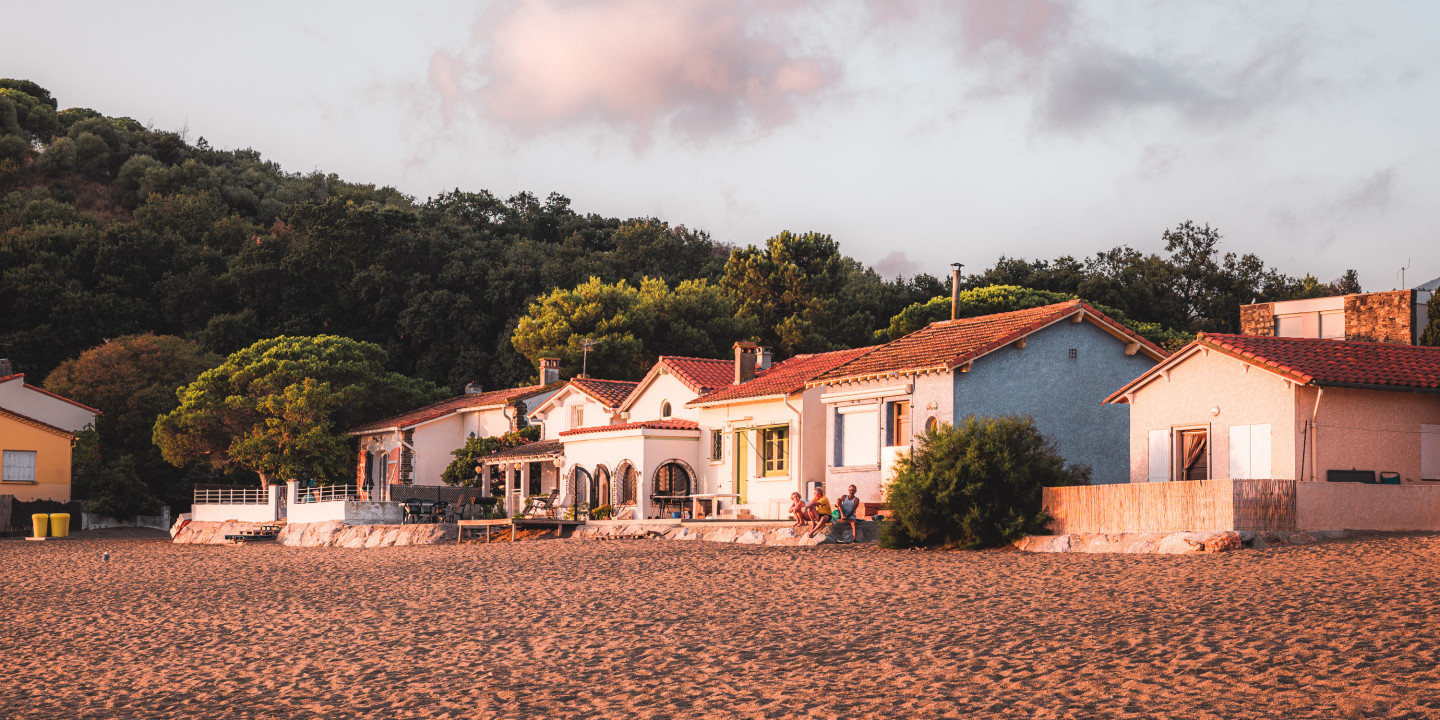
pixel 665 409
pixel 717 444
pixel 19 466
pixel 932 424
pixel 858 433
pixel 1430 452
pixel 577 416
pixel 899 419
pixel 775 449
pixel 1249 452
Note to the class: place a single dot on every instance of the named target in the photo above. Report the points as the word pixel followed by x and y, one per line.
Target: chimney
pixel 745 361
pixel 6 369
pixel 764 362
pixel 549 370
pixel 955 288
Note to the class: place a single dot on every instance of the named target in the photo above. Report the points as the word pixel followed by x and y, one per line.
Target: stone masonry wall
pixel 1380 317
pixel 1258 319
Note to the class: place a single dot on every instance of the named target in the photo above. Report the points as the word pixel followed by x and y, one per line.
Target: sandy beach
pixel 657 629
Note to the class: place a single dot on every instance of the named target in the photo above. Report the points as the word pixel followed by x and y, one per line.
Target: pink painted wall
pixel 1201 382
pixel 1353 506
pixel 1369 430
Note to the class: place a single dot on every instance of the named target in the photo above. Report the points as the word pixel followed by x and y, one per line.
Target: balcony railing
pixel 326 493
pixel 232 496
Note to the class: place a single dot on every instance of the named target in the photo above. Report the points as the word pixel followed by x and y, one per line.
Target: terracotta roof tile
pixel 537 449
pixel 671 424
pixel 456 404
pixel 783 378
pixel 1335 362
pixel 701 374
pixel 948 344
pixel 610 392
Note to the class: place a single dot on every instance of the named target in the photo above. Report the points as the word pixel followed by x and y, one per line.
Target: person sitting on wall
pixel 848 504
pixel 819 510
pixel 798 511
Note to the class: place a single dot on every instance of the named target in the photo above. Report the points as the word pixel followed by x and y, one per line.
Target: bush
pixel 461 470
pixel 974 485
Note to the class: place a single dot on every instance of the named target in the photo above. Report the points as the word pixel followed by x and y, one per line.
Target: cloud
pixel 897 264
pixel 1373 194
pixel 643 67
pixel 1031 27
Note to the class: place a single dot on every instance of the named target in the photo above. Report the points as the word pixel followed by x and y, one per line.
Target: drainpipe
pixel 799 433
pixel 1315 434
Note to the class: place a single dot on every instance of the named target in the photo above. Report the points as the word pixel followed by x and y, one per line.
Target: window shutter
pixel 1240 451
pixel 860 436
pixel 1159 456
pixel 1430 452
pixel 1260 451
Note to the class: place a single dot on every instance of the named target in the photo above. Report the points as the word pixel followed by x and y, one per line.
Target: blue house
pixel 1056 363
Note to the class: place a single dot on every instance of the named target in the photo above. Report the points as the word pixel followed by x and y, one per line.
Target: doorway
pixel 1194 456
pixel 742 468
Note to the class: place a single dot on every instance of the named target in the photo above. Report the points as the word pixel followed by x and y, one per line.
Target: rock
pixel 1044 543
pixel 1223 542
pixel 1178 544
pixel 1301 538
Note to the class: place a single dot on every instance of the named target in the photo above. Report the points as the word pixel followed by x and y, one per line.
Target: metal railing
pixel 232 496
pixel 325 493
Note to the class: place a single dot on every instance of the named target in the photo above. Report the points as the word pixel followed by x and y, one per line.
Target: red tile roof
pixel 43 391
pixel 609 392
pixel 701 374
pixel 948 344
pixel 1335 362
pixel 671 424
pixel 497 398
pixel 540 449
pixel 783 378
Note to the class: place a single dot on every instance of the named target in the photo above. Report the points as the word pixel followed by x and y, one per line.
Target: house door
pixel 742 467
pixel 1194 455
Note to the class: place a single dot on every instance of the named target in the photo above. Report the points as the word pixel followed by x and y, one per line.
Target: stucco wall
pixel 30 402
pixel 869 480
pixel 765 497
pixel 647 450
pixel 1063 395
pixel 556 417
pixel 665 387
pixel 1355 506
pixel 434 441
pixel 1244 396
pixel 1368 430
pixel 52 461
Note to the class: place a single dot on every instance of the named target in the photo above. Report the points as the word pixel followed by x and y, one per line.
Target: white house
pixel 415 447
pixel 763 437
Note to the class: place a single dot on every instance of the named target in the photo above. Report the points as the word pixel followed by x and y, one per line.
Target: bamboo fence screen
pixel 1194 505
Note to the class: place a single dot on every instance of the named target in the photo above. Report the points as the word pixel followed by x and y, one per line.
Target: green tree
pixel 973 485
pixel 277 408
pixel 461 470
pixel 791 290
pixel 1431 334
pixel 629 326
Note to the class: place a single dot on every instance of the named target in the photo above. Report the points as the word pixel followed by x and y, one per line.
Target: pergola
pixel 517 462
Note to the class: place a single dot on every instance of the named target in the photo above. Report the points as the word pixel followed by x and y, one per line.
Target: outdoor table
pixel 697 497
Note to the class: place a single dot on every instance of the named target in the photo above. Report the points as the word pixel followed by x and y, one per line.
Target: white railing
pixel 232 496
pixel 325 493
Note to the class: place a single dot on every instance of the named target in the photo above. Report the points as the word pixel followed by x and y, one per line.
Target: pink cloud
pixel 1029 26
pixel 642 66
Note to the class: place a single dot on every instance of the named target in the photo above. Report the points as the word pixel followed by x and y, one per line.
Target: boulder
pixel 752 537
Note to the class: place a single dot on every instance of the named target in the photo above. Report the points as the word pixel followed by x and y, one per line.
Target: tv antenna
pixel 586 346
pixel 1402 273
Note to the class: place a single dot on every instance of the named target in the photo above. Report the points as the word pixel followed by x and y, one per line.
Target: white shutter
pixel 1240 467
pixel 1430 452
pixel 1260 451
pixel 1159 456
pixel 19 465
pixel 859 436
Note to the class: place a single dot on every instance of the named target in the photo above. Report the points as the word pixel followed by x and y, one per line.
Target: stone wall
pixel 773 534
pixel 1258 319
pixel 322 534
pixel 1385 317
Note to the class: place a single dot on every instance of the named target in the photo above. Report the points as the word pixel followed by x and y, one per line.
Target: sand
pixel 661 629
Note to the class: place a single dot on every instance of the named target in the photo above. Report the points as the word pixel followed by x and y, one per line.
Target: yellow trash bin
pixel 59 524
pixel 41 521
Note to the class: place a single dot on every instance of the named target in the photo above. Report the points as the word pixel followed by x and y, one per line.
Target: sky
pixel 917 133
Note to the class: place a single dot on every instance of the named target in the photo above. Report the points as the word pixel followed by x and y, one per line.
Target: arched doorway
pixel 626 485
pixel 600 486
pixel 672 482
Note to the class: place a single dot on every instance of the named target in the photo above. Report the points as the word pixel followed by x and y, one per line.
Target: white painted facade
pixel 568 409
pixel 37 404
pixel 659 389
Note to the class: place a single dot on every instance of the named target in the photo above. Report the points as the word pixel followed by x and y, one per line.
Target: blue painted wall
pixel 1063 395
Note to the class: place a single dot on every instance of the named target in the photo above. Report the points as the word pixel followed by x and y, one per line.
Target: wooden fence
pixel 1172 506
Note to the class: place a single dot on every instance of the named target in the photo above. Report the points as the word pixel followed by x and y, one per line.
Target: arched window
pixel 580 482
pixel 672 484
pixel 665 409
pixel 625 486
pixel 600 486
pixel 932 424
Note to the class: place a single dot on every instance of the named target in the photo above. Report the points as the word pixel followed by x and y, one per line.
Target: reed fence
pixel 1172 506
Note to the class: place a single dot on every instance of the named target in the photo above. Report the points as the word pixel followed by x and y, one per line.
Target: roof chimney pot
pixel 745 358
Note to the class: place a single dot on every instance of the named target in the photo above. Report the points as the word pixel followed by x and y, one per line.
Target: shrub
pixel 461 470
pixel 974 485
